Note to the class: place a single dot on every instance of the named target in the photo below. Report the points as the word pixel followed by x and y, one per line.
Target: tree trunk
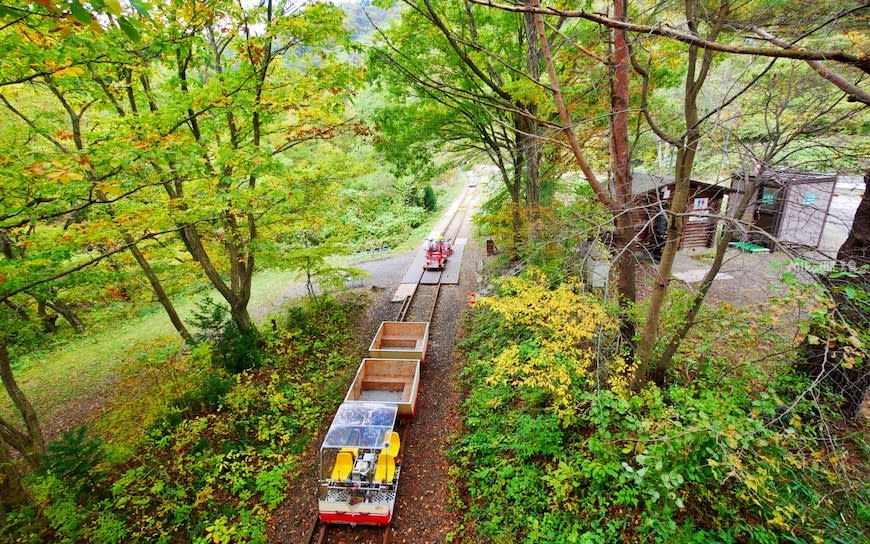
pixel 516 220
pixel 621 164
pixel 242 318
pixel 12 492
pixel 31 445
pixel 6 245
pixel 162 297
pixel 856 248
pixel 513 182
pixel 49 322
pixel 531 144
pixel 649 332
pixel 696 75
pixel 530 149
pixel 61 307
pixel 238 304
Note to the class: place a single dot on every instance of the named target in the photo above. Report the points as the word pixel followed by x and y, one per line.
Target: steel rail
pixel 317 533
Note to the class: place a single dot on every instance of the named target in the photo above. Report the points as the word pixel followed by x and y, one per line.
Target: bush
pixel 237 351
pixel 430 201
pixel 74 459
pixel 208 395
pixel 546 456
pixel 234 350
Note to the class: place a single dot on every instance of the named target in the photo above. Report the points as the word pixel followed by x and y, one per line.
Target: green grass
pixel 114 348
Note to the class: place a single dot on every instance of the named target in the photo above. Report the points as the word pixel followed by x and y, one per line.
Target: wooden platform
pixel 450 275
pixel 404 291
pixel 431 277
pixel 412 275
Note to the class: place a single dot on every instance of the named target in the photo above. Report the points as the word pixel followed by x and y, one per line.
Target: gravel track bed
pixel 422 514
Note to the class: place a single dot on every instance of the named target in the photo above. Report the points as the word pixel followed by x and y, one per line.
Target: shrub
pixel 74 459
pixel 722 455
pixel 234 350
pixel 238 351
pixel 208 395
pixel 430 201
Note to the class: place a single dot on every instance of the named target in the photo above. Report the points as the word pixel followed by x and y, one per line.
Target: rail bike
pixel 437 252
pixel 359 467
pixel 360 458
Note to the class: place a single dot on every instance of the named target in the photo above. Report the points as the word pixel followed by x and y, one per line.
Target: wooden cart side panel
pixel 415 388
pixel 400 340
pixel 355 390
pixel 401 376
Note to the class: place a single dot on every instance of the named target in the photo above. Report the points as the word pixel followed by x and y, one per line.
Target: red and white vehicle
pixel 437 252
pixel 360 465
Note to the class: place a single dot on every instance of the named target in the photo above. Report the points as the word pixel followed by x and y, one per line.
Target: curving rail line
pixel 318 531
pixel 408 301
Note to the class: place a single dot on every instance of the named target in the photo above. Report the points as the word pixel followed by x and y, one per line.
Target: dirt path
pixel 422 514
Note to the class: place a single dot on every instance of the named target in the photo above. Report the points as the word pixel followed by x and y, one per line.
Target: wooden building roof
pixel 642 182
pixel 781 178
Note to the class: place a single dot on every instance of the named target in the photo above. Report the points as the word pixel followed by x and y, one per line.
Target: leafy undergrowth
pixel 218 461
pixel 555 449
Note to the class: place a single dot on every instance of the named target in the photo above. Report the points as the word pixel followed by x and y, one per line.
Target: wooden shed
pixel 653 193
pixel 789 207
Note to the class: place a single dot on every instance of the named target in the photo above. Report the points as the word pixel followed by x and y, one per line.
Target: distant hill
pixel 363 18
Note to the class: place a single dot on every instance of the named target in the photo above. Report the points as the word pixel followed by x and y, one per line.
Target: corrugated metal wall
pixel 804 213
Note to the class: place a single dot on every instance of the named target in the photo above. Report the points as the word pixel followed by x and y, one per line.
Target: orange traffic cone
pixel 471 301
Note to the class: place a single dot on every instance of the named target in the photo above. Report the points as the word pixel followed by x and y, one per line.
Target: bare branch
pixel 856 93
pixel 862 63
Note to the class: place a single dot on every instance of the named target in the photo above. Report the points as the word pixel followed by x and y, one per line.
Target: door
pixel 767 212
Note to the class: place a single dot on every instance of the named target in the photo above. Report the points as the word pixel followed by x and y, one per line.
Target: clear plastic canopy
pixel 361 425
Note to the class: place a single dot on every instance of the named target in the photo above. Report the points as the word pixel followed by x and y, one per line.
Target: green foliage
pixel 75 459
pixel 835 338
pixel 238 350
pixel 313 264
pixel 723 455
pixel 572 216
pixel 210 318
pixel 217 464
pixel 209 394
pixel 59 507
pixel 234 349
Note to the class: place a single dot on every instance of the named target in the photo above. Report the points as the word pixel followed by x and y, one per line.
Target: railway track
pixel 319 532
pixel 407 303
pixel 420 306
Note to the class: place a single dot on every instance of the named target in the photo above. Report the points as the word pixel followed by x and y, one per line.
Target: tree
pixel 214 133
pixel 430 201
pixel 856 247
pixel 172 123
pixel 312 262
pixel 725 17
pixel 29 442
pixel 449 69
